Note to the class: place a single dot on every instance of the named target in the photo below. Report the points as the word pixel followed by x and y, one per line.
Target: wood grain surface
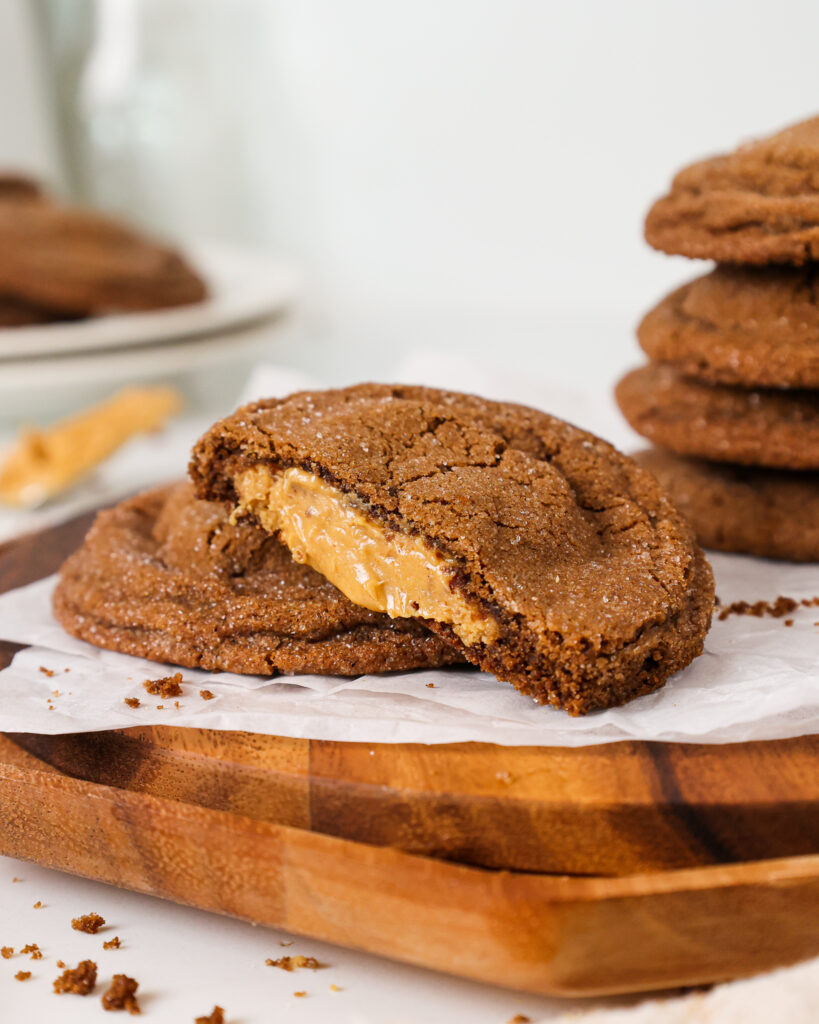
pixel 606 810
pixel 538 933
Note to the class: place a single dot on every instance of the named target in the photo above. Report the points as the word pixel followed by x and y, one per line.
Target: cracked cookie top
pixel 591 581
pixel 757 205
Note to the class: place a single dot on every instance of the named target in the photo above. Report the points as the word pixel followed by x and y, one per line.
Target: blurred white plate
pixel 244 287
pixel 210 368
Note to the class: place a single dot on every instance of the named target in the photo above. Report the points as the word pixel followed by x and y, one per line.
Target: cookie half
pixel 766 512
pixel 759 204
pixel 166 577
pixel 748 326
pixel 546 556
pixel 761 427
pixel 77 262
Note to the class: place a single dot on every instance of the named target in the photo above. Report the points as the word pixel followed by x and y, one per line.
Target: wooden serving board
pixel 358 844
pixel 609 810
pixel 539 933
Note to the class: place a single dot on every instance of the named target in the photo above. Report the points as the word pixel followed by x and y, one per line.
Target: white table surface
pixel 187 960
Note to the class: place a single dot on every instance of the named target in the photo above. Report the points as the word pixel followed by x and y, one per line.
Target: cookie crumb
pixel 430 686
pixel 88 923
pixel 788 622
pixel 299 995
pixel 775 609
pixel 290 963
pixel 167 686
pixel 133 702
pixel 335 988
pixel 112 943
pixel 16 879
pixel 122 995
pixel 78 981
pixel 61 964
pixel 47 671
pixel 216 1016
pixel 33 949
pixel 519 1018
pixel 38 905
pixel 22 975
pixel 7 952
pixel 206 694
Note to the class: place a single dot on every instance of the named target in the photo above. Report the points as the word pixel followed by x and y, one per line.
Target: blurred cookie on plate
pixel 61 262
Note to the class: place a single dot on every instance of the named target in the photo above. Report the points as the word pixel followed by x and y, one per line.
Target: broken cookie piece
pixel 538 550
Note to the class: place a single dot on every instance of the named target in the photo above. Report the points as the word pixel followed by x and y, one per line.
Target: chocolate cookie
pixel 18 186
pixel 759 204
pixel 15 312
pixel 766 512
pixel 779 429
pixel 166 577
pixel 543 554
pixel 80 263
pixel 755 327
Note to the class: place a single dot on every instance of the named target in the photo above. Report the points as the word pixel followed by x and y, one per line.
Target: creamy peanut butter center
pixel 384 570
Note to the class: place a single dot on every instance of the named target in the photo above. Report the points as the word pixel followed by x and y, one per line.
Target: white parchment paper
pixel 758 679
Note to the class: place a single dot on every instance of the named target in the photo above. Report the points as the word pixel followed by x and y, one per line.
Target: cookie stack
pixel 731 394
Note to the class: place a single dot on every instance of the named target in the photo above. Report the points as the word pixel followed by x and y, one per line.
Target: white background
pixel 456 171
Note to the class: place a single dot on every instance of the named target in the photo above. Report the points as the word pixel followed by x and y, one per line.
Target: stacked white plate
pixel 49 369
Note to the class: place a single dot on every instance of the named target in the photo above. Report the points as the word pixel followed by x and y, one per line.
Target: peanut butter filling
pixel 379 569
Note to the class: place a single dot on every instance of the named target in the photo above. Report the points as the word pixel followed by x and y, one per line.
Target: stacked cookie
pixel 731 394
pixel 387 527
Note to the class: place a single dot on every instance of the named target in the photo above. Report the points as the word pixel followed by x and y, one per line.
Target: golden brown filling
pixel 374 567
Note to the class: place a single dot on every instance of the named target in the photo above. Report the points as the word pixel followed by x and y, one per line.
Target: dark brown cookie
pixel 750 326
pixel 166 577
pixel 766 512
pixel 18 186
pixel 81 263
pixel 16 312
pixel 778 429
pixel 759 204
pixel 551 559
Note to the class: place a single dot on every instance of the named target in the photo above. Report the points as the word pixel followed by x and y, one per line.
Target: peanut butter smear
pixel 379 569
